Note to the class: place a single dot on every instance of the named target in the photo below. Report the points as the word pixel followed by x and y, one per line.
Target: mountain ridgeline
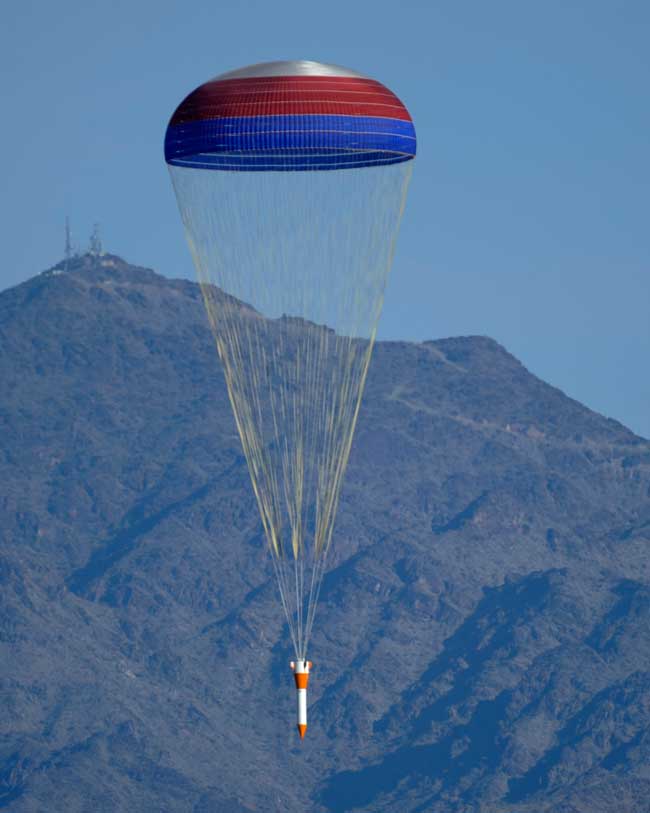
pixel 482 641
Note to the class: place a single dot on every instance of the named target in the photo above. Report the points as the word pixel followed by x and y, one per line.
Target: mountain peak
pixel 101 266
pixel 491 545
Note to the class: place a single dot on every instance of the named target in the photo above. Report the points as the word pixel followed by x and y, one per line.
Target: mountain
pixel 483 638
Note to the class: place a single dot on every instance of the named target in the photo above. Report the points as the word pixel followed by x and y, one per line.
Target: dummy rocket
pixel 301 675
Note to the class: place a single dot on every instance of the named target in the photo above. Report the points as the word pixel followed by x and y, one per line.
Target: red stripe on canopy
pixel 290 95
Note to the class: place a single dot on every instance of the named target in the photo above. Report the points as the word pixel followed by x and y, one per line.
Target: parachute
pixel 291 179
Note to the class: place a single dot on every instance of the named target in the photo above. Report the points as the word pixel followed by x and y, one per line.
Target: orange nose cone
pixel 302 729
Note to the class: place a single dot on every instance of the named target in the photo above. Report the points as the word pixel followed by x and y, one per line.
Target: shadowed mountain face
pixel 483 638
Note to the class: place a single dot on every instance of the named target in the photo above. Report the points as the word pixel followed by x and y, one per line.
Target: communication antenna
pixel 68 243
pixel 95 247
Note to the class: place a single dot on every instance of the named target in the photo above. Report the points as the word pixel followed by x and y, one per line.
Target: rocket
pixel 301 675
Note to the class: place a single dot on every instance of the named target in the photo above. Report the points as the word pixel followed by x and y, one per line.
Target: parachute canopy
pixel 292 266
pixel 290 116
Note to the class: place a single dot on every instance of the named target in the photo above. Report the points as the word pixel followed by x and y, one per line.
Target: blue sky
pixel 528 214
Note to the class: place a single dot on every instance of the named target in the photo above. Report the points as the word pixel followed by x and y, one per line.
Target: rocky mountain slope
pixel 483 637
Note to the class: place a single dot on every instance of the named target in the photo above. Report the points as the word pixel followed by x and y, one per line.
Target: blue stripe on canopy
pixel 290 142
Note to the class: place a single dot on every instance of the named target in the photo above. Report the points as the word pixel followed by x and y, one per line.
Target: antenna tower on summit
pixel 95 247
pixel 68 243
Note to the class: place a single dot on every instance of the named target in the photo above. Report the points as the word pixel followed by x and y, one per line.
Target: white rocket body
pixel 301 676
